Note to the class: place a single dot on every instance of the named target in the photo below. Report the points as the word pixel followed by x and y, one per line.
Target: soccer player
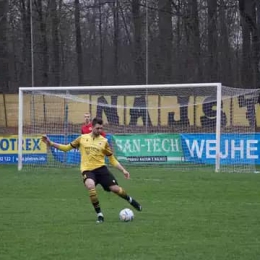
pixel 87 127
pixel 93 148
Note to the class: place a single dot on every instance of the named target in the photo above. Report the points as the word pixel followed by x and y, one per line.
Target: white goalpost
pixel 178 126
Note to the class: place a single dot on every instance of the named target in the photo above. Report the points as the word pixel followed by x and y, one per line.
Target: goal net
pixel 182 127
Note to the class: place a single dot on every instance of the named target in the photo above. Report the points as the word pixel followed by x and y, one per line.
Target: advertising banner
pixel 33 150
pixel 72 156
pixel 143 149
pixel 148 148
pixel 234 149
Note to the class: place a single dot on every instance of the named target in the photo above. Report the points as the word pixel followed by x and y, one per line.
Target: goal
pixel 178 126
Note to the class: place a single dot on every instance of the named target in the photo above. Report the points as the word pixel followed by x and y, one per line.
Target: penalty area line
pixel 152 180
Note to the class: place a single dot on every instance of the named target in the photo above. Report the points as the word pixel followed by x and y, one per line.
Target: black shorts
pixel 100 176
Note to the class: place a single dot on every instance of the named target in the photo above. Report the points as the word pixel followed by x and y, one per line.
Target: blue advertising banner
pixel 72 156
pixel 238 149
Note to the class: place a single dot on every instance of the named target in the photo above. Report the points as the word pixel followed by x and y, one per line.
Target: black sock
pixel 122 193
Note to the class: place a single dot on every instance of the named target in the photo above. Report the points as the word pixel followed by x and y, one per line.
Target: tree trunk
pixel 55 44
pixel 115 40
pixel 78 43
pixel 25 72
pixel 165 38
pixel 258 43
pixel 43 46
pixel 255 45
pixel 138 50
pixel 193 60
pixel 101 47
pixel 212 41
pixel 178 68
pixel 246 72
pixel 4 71
pixel 224 48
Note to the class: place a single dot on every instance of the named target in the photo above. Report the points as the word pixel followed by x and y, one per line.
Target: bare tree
pixel 116 39
pixel 4 73
pixel 44 55
pixel 101 47
pixel 189 41
pixel 138 50
pixel 255 43
pixel 249 11
pixel 224 47
pixel 165 38
pixel 193 60
pixel 55 68
pixel 212 41
pixel 25 71
pixel 78 43
pixel 177 39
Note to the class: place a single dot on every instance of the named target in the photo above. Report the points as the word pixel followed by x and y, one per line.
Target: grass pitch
pixel 46 214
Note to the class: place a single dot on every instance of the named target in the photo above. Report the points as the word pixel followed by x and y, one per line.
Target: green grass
pixel 46 214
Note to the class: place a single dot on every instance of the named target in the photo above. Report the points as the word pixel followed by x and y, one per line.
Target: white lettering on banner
pixel 150 145
pixel 211 149
pixel 225 154
pixel 195 147
pixel 237 149
pixel 174 145
pixel 165 145
pixel 119 144
pixel 33 159
pixel 165 142
pixel 250 148
pixel 128 146
pixel 156 146
pixel 148 141
pixel 136 144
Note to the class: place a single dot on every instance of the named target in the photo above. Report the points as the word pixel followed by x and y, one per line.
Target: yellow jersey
pixel 93 151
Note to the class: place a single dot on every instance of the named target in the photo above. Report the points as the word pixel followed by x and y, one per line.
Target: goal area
pixel 184 127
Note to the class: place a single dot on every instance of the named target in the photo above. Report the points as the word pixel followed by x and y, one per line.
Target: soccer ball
pixel 126 215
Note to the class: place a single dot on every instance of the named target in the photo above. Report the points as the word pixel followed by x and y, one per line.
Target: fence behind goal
pixel 182 127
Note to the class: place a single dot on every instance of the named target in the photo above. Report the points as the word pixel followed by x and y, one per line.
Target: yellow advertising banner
pixel 31 145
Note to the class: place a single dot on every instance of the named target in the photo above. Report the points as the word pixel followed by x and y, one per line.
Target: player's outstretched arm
pixel 118 165
pixel 114 161
pixel 62 147
pixel 125 172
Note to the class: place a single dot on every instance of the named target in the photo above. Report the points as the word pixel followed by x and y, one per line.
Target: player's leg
pixel 90 183
pixel 122 193
pixel 109 183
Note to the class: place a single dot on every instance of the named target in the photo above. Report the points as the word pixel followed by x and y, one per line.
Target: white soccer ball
pixel 126 215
